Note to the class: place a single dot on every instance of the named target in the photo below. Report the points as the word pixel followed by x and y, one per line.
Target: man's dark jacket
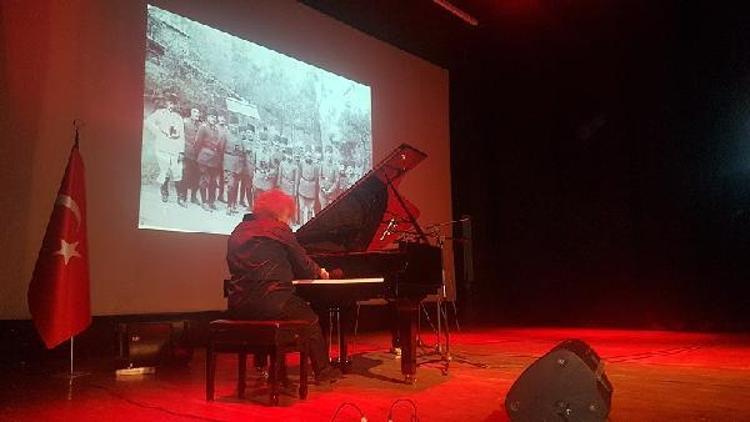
pixel 263 258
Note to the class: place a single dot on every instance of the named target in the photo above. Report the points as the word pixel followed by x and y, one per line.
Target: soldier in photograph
pixel 297 153
pixel 209 145
pixel 190 172
pixel 347 177
pixel 263 136
pixel 234 163
pixel 288 179
pixel 248 170
pixel 166 127
pixel 329 177
pixel 265 172
pixel 308 187
pixel 277 150
pixel 221 125
pixel 318 158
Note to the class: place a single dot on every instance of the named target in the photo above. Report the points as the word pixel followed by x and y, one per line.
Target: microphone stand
pixel 444 355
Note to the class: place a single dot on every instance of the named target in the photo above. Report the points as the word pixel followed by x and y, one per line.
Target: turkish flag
pixel 58 294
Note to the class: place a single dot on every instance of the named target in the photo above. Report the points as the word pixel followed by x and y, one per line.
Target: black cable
pixel 362 416
pixel 414 416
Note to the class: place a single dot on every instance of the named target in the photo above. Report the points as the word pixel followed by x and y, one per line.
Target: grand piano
pixel 370 232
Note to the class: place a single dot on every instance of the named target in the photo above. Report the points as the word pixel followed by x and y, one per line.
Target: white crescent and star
pixel 68 202
pixel 68 250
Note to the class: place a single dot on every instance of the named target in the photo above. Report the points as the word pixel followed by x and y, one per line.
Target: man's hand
pixel 324 274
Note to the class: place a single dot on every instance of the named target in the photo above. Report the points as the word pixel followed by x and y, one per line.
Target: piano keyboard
pixel 339 281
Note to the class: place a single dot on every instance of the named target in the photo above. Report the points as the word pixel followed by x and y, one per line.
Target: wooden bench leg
pixel 274 373
pixel 210 371
pixel 303 372
pixel 241 374
pixel 283 377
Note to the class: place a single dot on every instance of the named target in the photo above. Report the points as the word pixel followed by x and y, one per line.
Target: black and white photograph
pixel 226 119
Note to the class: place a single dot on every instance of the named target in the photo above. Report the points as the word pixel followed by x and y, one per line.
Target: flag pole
pixel 71 356
pixel 76 126
pixel 73 374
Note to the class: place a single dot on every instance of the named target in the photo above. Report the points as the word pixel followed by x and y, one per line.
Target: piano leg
pixel 408 312
pixel 343 351
pixel 340 327
pixel 332 312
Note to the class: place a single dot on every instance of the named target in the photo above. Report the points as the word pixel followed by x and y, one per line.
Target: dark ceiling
pixel 425 29
pixel 417 26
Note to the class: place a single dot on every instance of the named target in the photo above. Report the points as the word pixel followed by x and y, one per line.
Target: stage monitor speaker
pixel 566 384
pixel 150 344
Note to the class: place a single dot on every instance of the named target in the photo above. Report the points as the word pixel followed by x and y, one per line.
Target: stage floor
pixel 657 376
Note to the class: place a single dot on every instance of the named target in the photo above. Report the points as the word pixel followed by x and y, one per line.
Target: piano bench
pixel 274 338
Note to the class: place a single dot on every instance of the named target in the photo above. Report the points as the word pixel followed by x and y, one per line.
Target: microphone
pixel 468 256
pixel 387 231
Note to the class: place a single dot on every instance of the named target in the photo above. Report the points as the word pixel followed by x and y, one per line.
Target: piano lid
pixel 367 214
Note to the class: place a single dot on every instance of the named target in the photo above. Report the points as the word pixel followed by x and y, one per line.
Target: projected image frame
pixel 226 119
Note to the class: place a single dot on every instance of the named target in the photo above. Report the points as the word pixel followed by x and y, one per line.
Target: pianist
pixel 264 257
